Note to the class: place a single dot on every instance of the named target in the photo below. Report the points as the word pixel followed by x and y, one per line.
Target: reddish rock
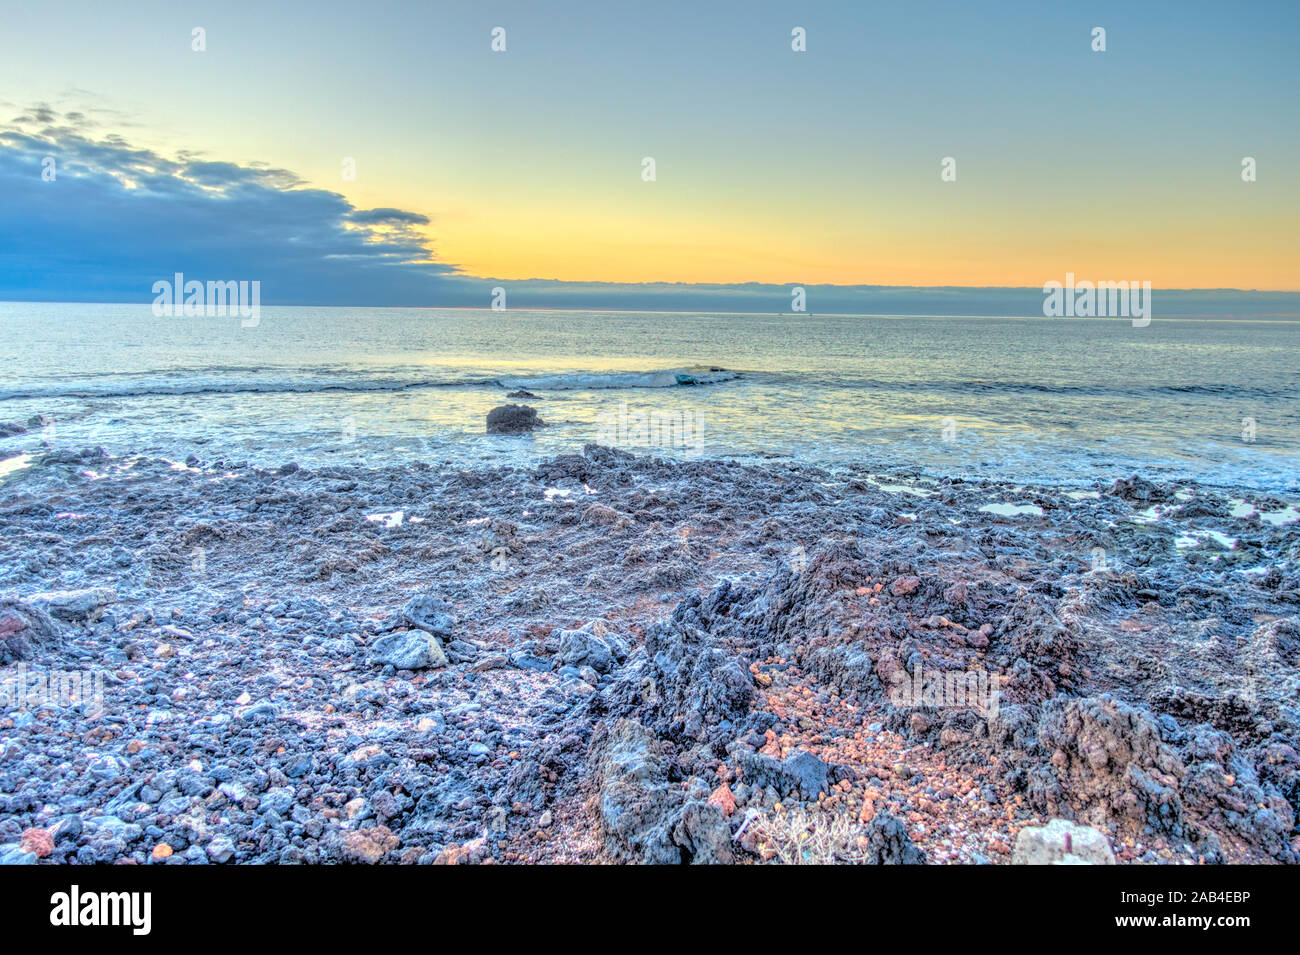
pixel 724 799
pixel 368 845
pixel 38 841
pixel 905 585
pixel 449 856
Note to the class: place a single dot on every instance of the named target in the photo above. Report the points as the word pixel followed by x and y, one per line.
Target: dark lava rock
pixel 574 467
pixel 1109 757
pixel 702 687
pixel 431 613
pixel 25 630
pixel 513 419
pixel 645 815
pixel 638 803
pixel 590 645
pixel 803 773
pixel 1032 631
pixel 889 844
pixel 703 834
pixel 1138 489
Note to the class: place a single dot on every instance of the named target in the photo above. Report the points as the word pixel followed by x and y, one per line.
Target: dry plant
pixel 800 837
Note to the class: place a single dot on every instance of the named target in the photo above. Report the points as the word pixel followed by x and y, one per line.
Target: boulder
pixel 13 854
pixel 590 645
pixel 513 419
pixel 801 774
pixel 408 650
pixel 430 613
pixel 889 844
pixel 38 842
pixel 366 845
pixel 701 687
pixel 1062 842
pixel 703 833
pixel 221 849
pixel 25 630
pixel 645 815
pixel 639 805
pixel 1107 756
pixel 75 606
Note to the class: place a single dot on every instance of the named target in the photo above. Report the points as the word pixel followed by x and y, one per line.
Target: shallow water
pixel 1022 399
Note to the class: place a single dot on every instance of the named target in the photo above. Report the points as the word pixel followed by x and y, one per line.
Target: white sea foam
pixel 583 381
pixel 1013 510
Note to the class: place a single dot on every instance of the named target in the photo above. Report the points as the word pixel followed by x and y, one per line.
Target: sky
pixel 524 167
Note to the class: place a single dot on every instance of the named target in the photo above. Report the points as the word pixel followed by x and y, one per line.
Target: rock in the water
pixel 1062 842
pixel 409 650
pixel 513 419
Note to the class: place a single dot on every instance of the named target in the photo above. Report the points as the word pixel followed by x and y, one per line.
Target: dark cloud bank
pixel 117 218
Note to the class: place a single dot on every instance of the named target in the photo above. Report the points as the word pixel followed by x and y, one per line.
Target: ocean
pixel 1063 401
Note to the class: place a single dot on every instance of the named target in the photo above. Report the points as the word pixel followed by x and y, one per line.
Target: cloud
pixel 117 217
pixel 378 216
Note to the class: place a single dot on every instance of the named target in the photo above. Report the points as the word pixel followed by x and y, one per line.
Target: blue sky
pixel 523 168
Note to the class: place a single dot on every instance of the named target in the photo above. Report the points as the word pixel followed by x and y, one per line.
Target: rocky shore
pixel 618 658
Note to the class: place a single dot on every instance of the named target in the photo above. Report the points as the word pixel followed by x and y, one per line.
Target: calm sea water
pixel 1024 399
